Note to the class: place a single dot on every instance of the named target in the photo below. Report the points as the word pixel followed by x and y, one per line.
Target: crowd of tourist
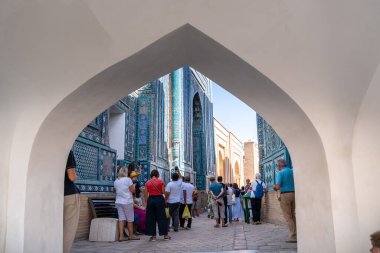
pixel 226 202
pixel 178 202
pixel 167 207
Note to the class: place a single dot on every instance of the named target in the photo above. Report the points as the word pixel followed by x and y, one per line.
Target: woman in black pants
pixel 155 209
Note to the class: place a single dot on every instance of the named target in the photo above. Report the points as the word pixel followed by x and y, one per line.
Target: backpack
pixel 259 193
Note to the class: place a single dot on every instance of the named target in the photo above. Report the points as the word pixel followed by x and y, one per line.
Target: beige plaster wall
pixel 251 160
pixel 231 148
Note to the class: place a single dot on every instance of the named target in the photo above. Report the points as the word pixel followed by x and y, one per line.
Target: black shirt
pixel 70 187
pixel 137 188
pixel 237 192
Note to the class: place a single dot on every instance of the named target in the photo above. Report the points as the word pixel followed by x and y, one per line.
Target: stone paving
pixel 203 237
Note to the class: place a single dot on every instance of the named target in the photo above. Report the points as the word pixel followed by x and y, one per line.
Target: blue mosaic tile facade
pixel 173 113
pixel 271 148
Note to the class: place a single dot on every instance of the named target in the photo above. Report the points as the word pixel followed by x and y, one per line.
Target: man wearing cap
pixel 285 183
pixel 133 175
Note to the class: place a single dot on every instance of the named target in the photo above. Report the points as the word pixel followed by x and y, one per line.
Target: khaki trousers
pixel 70 220
pixel 288 207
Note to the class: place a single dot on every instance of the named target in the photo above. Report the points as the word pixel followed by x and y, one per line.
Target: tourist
pixel 258 189
pixel 71 204
pixel 131 168
pixel 247 188
pixel 133 175
pixel 187 200
pixel 210 205
pixel 125 188
pixel 285 183
pixel 172 198
pixel 155 209
pixel 247 185
pixel 140 213
pixel 375 241
pixel 220 180
pixel 237 210
pixel 216 192
pixel 230 194
pixel 196 203
pixel 242 191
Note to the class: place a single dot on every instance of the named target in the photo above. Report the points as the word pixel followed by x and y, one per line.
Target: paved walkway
pixel 203 237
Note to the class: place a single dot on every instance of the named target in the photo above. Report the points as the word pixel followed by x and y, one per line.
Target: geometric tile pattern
pixel 147 134
pixel 271 148
pixel 87 161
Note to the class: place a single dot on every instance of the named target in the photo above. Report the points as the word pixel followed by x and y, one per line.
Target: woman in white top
pixel 124 203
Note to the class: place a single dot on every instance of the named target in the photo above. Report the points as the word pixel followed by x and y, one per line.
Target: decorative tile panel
pixel 271 148
pixel 87 161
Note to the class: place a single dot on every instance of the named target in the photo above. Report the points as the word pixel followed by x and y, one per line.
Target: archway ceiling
pixel 315 51
pixel 300 45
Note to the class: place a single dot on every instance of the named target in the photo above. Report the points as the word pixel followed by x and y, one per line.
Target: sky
pixel 233 114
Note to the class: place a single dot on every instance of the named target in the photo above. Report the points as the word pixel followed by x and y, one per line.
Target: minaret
pixel 176 81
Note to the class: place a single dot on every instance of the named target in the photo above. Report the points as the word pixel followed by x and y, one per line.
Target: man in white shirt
pixel 172 198
pixel 258 190
pixel 187 199
pixel 229 201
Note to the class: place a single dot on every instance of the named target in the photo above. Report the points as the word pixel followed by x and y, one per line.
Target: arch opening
pixel 186 45
pixel 237 173
pixel 198 142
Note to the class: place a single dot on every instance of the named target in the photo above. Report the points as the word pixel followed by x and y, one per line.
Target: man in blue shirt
pixel 285 183
pixel 216 192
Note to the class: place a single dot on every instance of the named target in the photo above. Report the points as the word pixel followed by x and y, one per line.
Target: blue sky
pixel 236 116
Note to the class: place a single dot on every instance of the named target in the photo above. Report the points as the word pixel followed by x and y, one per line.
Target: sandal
pixel 123 240
pixel 134 238
pixel 152 239
pixel 167 238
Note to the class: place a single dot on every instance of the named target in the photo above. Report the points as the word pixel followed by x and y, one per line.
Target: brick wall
pixel 271 210
pixel 85 215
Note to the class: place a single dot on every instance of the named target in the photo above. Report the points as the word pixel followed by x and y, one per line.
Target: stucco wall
pixel 312 61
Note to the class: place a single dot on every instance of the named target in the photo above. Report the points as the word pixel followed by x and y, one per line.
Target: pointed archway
pixel 185 45
pixel 237 173
pixel 198 143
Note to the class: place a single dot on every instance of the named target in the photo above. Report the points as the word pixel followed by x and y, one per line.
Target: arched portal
pixel 185 45
pixel 237 173
pixel 221 163
pixel 198 143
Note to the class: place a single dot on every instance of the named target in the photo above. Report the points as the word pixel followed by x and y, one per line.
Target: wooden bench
pixel 104 223
pixel 103 207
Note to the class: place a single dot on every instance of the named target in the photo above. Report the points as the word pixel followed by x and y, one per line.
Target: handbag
pixel 220 201
pixel 167 213
pixel 155 187
pixel 248 194
pixel 186 213
pixel 233 199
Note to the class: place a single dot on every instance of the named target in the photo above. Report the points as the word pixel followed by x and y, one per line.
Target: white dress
pixel 237 210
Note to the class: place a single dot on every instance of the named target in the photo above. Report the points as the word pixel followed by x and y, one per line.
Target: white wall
pixel 117 133
pixel 320 58
pixel 365 157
